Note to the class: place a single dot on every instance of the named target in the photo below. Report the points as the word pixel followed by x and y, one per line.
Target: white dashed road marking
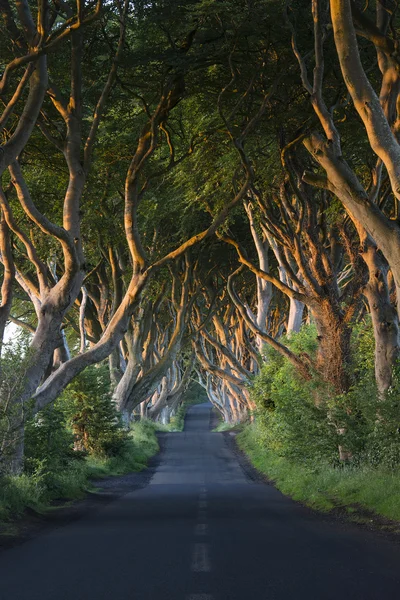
pixel 201 560
pixel 201 529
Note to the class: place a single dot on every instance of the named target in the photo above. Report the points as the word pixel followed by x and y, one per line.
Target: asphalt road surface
pixel 202 530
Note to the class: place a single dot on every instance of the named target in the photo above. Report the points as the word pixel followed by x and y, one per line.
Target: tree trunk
pixel 16 462
pixel 385 319
pixel 8 278
pixel 295 319
pixel 125 385
pixel 114 367
pixel 264 288
pixel 296 308
pixel 333 357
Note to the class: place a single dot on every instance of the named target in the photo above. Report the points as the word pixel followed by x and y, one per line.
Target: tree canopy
pixel 188 186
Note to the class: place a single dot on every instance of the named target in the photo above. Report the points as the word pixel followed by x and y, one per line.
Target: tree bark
pixel 384 317
pixel 8 278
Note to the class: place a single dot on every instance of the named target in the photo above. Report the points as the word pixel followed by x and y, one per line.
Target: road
pixel 202 530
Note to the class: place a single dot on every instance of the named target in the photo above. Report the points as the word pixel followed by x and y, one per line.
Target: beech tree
pixel 366 204
pixel 177 194
pixel 55 288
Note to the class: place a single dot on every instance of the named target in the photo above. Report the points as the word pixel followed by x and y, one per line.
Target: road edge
pixel 361 518
pixel 106 490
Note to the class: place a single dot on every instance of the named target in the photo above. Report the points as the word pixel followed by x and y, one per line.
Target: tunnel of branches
pixel 186 188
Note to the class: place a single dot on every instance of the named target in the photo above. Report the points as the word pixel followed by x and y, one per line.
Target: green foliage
pixel 91 414
pixel 295 437
pixel 363 350
pixel 77 438
pixel 324 487
pixel 383 443
pixel 38 488
pixel 140 445
pixel 177 422
pixel 305 421
pixel 224 426
pixel 372 424
pixel 48 442
pixel 18 493
pixel 293 413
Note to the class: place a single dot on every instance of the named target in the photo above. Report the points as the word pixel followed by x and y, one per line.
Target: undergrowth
pixel 224 426
pixel 39 489
pixel 325 487
pixel 299 426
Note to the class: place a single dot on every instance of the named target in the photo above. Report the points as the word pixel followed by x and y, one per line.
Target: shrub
pixel 292 413
pixel 91 414
pixel 47 440
pixel 300 420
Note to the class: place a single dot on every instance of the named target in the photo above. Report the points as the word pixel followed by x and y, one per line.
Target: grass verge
pixel 141 446
pixel 323 487
pixel 224 426
pixel 37 492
